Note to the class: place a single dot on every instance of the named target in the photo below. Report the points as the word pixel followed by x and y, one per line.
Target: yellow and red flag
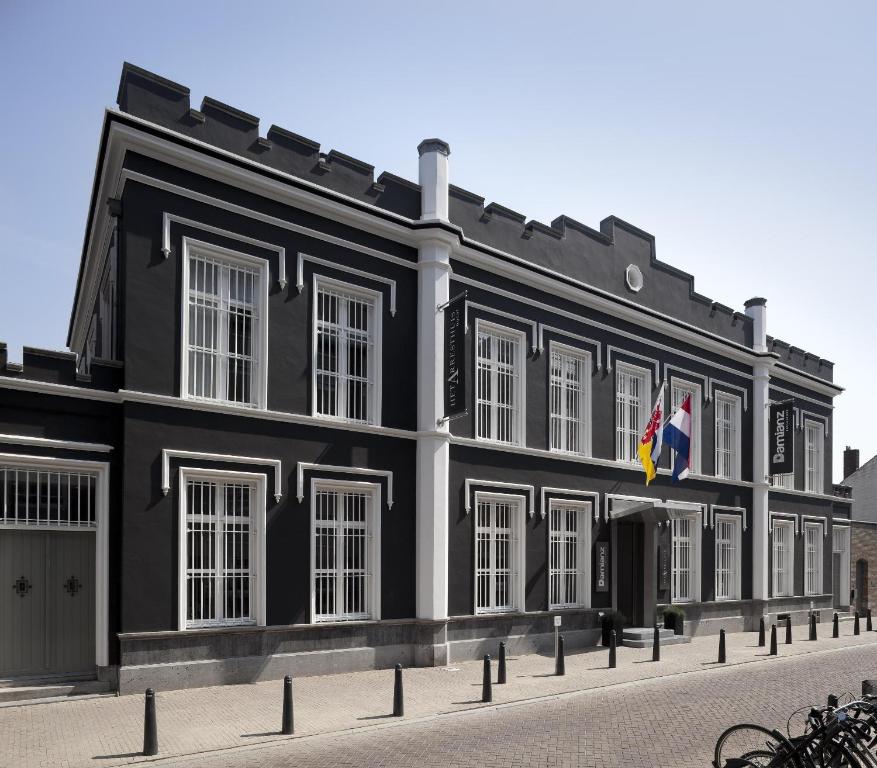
pixel 652 441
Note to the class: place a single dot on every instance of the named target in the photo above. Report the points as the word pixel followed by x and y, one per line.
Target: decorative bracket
pixel 300 275
pixel 168 453
pixel 304 465
pixel 497 484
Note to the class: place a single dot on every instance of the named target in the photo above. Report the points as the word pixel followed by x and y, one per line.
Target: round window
pixel 634 278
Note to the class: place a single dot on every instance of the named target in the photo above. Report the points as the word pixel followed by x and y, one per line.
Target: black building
pixel 242 466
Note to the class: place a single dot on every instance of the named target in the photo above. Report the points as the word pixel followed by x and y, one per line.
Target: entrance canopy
pixel 653 511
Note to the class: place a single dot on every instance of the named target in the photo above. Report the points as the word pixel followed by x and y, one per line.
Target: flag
pixel 677 433
pixel 653 438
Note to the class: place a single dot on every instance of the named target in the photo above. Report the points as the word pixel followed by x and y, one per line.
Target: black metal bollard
pixel 813 626
pixel 788 630
pixel 150 729
pixel 501 673
pixel 869 688
pixel 835 626
pixel 833 701
pixel 773 639
pixel 612 652
pixel 868 627
pixel 287 726
pixel 761 632
pixel 656 644
pixel 559 661
pixel 721 646
pixel 486 689
pixel 856 624
pixel 398 698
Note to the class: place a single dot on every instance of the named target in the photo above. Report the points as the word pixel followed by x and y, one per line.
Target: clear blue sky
pixel 742 135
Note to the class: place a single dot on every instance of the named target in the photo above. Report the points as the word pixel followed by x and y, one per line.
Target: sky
pixel 741 135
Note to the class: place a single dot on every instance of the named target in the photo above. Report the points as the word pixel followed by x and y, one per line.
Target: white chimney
pixel 757 309
pixel 433 179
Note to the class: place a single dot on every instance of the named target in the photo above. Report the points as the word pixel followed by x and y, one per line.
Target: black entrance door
pixel 629 590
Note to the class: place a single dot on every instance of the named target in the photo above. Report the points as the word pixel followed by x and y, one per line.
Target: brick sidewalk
pixel 108 731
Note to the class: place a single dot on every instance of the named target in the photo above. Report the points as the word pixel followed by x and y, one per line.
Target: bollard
pixel 835 627
pixel 287 726
pixel 150 729
pixel 486 690
pixel 612 659
pixel 788 630
pixel 856 624
pixel 773 639
pixel 833 701
pixel 500 675
pixel 869 688
pixel 761 632
pixel 656 644
pixel 559 661
pixel 868 627
pixel 398 700
pixel 721 646
pixel 813 626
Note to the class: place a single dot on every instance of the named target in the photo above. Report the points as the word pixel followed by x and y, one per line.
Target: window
pixel 220 552
pixel 840 539
pixel 345 551
pixel 37 497
pixel 678 392
pixel 727 557
pixel 225 350
pixel 786 481
pixel 727 436
pixel 813 558
pixel 684 567
pixel 500 388
pixel 568 537
pixel 814 443
pixel 631 394
pixel 783 558
pixel 570 372
pixel 498 559
pixel 347 351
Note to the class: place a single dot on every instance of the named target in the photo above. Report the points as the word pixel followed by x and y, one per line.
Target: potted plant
pixel 674 618
pixel 611 620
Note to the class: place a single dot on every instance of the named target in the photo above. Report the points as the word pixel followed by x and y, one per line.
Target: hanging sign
pixel 663 568
pixel 601 566
pixel 455 357
pixel 781 440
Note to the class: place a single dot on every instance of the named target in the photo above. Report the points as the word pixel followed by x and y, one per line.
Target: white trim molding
pixel 64 445
pixel 721 508
pixel 597 359
pixel 686 376
pixel 172 453
pixel 568 494
pixel 656 382
pixel 305 466
pixel 499 313
pixel 816 519
pixel 469 482
pixel 791 516
pixel 300 280
pixel 713 382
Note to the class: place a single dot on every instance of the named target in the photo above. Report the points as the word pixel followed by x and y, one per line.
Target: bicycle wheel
pixel 754 745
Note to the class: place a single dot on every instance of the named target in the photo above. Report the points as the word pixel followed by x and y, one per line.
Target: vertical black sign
pixel 781 441
pixel 601 566
pixel 663 568
pixel 455 357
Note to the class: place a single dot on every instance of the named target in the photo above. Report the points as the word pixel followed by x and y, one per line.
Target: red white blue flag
pixel 677 434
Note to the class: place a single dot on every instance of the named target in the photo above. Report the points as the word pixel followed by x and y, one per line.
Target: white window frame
pixel 585 421
pixel 373 565
pixel 375 399
pixel 688 387
pixel 644 410
pixel 694 569
pixel 814 456
pixel 257 539
pixel 840 544
pixel 518 338
pixel 734 401
pixel 259 383
pixel 517 549
pixel 786 481
pixel 736 562
pixel 813 583
pixel 582 511
pixel 789 527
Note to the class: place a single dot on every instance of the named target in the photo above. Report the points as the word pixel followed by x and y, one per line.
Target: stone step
pixel 644 637
pixel 30 690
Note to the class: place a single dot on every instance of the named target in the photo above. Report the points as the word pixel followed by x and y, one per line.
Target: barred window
pixel 224 335
pixel 786 481
pixel 727 557
pixel 345 353
pixel 219 553
pixel 783 551
pixel 570 401
pixel 727 436
pixel 630 411
pixel 567 537
pixel 814 444
pixel 38 497
pixel 343 519
pixel 684 570
pixel 499 388
pixel 812 558
pixel 679 390
pixel 497 570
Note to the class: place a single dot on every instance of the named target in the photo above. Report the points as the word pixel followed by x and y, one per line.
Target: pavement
pixel 633 715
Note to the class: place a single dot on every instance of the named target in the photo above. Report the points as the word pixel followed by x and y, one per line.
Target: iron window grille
pixel 786 481
pixel 678 392
pixel 631 394
pixel 58 499
pixel 783 551
pixel 567 537
pixel 812 559
pixel 814 444
pixel 684 570
pixel 727 538
pixel 499 386
pixel 727 463
pixel 570 376
pixel 497 566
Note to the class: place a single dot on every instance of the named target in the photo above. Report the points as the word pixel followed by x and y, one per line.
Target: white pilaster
pixel 433 449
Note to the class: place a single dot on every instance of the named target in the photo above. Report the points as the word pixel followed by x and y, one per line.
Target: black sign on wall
pixel 455 357
pixel 601 566
pixel 781 438
pixel 663 568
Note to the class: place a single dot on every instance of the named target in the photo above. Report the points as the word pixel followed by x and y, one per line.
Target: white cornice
pixel 64 390
pixel 64 445
pixel 488 484
pixel 306 466
pixel 171 453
